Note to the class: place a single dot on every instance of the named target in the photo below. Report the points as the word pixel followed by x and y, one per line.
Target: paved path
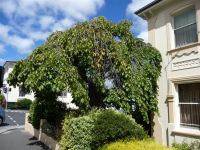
pixel 14 119
pixel 18 139
pixel 13 136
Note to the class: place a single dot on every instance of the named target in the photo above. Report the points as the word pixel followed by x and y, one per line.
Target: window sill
pixel 187 49
pixel 184 47
pixel 187 132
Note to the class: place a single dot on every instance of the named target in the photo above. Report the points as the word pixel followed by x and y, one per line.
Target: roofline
pixel 147 6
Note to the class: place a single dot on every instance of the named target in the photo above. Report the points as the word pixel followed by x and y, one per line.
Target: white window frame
pixel 172 32
pixel 177 118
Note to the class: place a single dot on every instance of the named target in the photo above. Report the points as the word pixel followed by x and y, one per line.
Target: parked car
pixel 2 115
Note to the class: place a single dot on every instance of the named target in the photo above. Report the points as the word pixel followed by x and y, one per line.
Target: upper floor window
pixel 185 28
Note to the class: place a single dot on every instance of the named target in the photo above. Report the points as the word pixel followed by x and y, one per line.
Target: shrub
pixel 35 114
pixel 77 134
pixel 1 98
pixel 53 112
pixel 185 146
pixel 110 126
pixel 24 103
pixel 97 128
pixel 11 105
pixel 147 144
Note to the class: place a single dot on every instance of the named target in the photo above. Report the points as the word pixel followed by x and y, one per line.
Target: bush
pixel 23 103
pixel 185 146
pixel 98 128
pixel 11 105
pixel 110 126
pixel 147 144
pixel 77 134
pixel 1 98
pixel 53 112
pixel 35 114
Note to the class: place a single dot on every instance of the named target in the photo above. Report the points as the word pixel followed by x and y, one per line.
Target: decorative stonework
pixel 186 64
pixel 185 50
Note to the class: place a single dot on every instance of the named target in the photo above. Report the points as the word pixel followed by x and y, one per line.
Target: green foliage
pixel 53 112
pixel 84 58
pixel 1 99
pixel 77 134
pixel 185 146
pixel 11 105
pixel 35 114
pixel 147 144
pixel 23 103
pixel 110 126
pixel 97 128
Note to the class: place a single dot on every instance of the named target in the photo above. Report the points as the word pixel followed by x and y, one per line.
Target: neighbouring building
pixel 174 29
pixel 13 94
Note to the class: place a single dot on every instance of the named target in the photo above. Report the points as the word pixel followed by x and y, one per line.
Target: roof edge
pixel 9 62
pixel 147 6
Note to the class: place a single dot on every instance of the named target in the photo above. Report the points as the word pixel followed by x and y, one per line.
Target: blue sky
pixel 25 24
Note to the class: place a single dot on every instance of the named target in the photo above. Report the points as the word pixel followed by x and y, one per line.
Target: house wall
pixel 180 65
pixel 68 100
pixel 13 95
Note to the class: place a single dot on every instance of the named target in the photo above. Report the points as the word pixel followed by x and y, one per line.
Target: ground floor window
pixel 189 104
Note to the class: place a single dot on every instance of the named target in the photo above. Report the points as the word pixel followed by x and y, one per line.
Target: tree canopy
pixel 100 62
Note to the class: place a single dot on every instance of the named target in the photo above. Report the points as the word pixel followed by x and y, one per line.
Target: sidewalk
pixel 18 139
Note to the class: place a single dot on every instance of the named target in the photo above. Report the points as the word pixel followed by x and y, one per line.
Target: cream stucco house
pixel 174 29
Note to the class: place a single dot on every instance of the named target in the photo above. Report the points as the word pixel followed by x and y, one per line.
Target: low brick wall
pixel 50 142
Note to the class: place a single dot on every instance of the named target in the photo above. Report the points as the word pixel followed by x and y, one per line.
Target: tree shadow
pixel 4 124
pixel 35 142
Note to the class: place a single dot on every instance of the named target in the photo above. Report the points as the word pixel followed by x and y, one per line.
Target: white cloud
pixel 38 35
pixel 33 20
pixel 4 29
pixel 8 7
pixel 46 21
pixel 139 25
pixel 143 35
pixel 137 4
pixel 2 61
pixel 23 45
pixel 2 49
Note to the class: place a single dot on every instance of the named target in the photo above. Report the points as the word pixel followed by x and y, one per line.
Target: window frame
pixel 178 124
pixel 191 7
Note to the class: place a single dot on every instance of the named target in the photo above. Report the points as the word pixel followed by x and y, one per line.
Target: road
pixel 13 136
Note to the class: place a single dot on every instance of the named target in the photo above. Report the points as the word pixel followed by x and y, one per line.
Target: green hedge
pixel 23 104
pixel 11 105
pixel 52 111
pixel 35 114
pixel 1 98
pixel 147 144
pixel 98 128
pixel 194 145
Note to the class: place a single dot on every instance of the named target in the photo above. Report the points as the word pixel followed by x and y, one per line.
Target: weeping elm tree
pixel 101 63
